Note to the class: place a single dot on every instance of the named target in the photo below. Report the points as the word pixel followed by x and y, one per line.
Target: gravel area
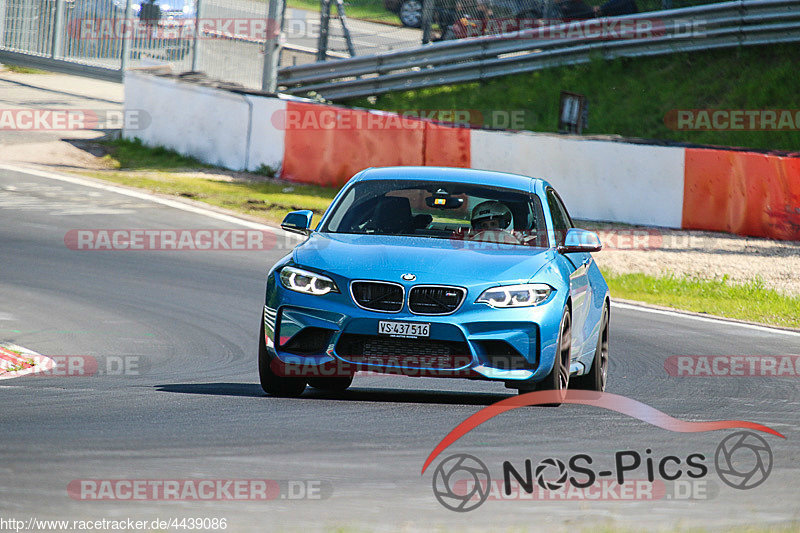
pixel 658 251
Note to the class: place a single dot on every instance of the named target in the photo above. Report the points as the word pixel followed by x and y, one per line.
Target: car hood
pixel 430 260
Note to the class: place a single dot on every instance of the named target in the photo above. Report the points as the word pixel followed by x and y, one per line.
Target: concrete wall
pixel 598 180
pixel 193 120
pixel 266 141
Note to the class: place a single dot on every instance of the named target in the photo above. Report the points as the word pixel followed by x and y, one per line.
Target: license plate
pixel 404 329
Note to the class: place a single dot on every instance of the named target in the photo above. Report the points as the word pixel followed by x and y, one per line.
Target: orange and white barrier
pixel 709 189
pixel 742 192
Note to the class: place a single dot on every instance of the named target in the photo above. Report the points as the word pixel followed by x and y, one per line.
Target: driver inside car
pixel 493 222
pixel 491 216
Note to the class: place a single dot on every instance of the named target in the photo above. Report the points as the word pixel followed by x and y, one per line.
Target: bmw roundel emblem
pixel 409 277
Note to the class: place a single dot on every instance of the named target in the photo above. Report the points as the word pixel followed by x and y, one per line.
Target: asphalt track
pixel 195 410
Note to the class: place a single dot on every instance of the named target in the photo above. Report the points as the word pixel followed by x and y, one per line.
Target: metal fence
pixel 93 37
pixel 729 24
pixel 223 38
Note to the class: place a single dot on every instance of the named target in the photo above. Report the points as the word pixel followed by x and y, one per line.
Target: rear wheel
pixel 331 384
pixel 558 378
pixel 597 376
pixel 272 383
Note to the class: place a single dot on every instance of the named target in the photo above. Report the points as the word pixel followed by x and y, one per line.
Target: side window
pixel 335 222
pixel 564 211
pixel 561 219
pixel 538 225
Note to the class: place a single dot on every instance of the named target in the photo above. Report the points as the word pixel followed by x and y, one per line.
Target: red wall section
pixel 327 145
pixel 446 146
pixel 742 192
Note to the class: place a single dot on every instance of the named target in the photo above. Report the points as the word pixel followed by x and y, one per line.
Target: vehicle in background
pixel 409 11
pixel 97 28
pixel 473 18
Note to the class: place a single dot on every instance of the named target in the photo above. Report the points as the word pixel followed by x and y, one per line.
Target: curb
pixel 27 362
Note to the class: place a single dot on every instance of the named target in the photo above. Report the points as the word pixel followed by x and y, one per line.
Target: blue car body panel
pixel 531 331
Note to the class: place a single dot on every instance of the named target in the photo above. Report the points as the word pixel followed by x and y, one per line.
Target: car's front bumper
pixel 308 335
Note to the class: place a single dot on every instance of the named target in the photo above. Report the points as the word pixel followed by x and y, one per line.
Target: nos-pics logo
pixel 461 482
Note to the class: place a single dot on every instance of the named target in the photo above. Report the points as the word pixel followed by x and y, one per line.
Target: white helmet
pixel 492 209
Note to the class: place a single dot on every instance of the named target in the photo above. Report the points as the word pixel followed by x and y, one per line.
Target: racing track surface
pixel 196 410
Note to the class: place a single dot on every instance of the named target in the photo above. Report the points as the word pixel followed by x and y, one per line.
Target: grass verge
pixel 751 301
pixel 164 171
pixel 19 69
pixel 133 155
pixel 631 96
pixel 370 10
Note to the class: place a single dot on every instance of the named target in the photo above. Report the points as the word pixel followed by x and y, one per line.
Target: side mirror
pixel 580 240
pixel 298 222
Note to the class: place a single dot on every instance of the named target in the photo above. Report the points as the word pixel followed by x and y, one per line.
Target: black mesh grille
pixel 419 353
pixel 503 356
pixel 435 300
pixel 308 341
pixel 377 295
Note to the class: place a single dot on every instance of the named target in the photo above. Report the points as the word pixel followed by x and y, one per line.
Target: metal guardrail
pixel 728 24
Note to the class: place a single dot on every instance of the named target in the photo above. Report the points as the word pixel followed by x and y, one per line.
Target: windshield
pixel 440 210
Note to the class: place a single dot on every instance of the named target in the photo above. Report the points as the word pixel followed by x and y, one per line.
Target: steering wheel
pixel 495 236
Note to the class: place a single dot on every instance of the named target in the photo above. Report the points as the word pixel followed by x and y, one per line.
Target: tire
pixel 273 384
pixel 558 378
pixel 331 384
pixel 410 13
pixel 597 377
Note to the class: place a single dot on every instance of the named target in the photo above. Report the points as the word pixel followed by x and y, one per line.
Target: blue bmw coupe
pixel 445 272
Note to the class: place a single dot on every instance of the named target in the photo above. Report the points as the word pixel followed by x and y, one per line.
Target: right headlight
pixel 524 295
pixel 299 280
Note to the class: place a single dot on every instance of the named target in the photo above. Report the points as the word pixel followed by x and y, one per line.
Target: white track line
pixel 256 225
pixel 678 314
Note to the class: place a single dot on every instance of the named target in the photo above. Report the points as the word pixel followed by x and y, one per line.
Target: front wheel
pixel 558 378
pixel 597 377
pixel 273 384
pixel 331 384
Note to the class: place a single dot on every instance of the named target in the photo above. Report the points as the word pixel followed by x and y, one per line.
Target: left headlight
pixel 297 279
pixel 525 295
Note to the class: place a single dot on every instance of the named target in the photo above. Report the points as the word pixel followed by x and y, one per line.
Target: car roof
pixel 462 175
